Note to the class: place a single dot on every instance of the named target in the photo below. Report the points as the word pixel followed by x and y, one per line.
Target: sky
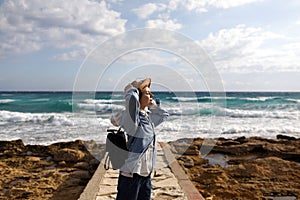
pixel 254 45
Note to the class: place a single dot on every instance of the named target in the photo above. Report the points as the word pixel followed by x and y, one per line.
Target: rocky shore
pixel 58 172
pixel 242 168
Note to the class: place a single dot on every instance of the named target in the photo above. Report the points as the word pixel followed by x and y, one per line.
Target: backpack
pixel 116 148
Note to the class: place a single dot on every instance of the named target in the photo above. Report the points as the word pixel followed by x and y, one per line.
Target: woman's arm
pixel 130 117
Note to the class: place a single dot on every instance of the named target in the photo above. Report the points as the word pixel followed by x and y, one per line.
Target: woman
pixel 140 117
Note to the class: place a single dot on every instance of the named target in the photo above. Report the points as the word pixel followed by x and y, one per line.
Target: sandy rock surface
pixel 243 168
pixel 58 171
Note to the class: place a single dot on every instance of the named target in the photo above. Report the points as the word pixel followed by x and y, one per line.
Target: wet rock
pixel 69 155
pixel 241 140
pixel 285 137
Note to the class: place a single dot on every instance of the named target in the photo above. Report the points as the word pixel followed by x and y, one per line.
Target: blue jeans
pixel 135 188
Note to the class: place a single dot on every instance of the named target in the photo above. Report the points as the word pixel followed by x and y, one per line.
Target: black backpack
pixel 116 147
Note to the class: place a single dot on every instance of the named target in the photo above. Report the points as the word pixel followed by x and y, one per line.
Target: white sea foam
pixel 6 100
pixel 100 101
pixel 45 128
pixel 184 99
pixel 200 109
pixel 182 111
pixel 53 118
pixel 100 107
pixel 188 118
pixel 294 100
pixel 280 114
pixel 257 98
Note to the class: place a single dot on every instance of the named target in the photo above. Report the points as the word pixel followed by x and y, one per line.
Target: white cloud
pixel 204 5
pixel 244 49
pixel 119 2
pixel 28 26
pixel 230 3
pixel 75 54
pixel 148 9
pixel 163 24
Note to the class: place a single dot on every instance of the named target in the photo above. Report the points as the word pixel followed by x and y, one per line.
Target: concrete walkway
pixel 168 182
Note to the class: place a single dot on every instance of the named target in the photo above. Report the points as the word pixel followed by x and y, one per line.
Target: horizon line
pixel 121 91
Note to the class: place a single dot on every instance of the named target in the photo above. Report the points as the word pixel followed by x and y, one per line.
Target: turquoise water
pixel 47 117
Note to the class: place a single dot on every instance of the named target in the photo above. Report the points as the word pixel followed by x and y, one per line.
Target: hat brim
pixel 146 82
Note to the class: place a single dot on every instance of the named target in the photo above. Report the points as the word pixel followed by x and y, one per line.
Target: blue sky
pixel 254 44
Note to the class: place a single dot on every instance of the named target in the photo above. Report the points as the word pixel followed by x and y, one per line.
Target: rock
pixel 241 140
pixel 33 159
pixel 51 167
pixel 9 153
pixel 285 137
pixel 30 172
pixel 69 155
pixel 180 148
pixel 294 156
pixel 81 174
pixel 192 150
pixel 187 161
pixel 239 149
pixel 259 168
pixel 82 165
pixel 229 143
pixel 94 162
pixel 62 163
pixel 11 148
pixel 12 145
pixel 15 182
pixel 186 149
pixel 48 159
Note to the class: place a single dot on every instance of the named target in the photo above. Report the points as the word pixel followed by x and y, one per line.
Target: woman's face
pixel 147 98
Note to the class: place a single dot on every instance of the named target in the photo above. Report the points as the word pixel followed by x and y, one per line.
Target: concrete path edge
pixel 93 186
pixel 187 186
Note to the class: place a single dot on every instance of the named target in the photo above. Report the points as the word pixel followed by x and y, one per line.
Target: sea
pixel 50 117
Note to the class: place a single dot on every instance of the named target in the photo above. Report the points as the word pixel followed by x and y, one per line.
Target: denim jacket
pixel 139 128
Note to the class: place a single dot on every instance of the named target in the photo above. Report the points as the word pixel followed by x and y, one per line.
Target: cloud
pixel 244 49
pixel 72 55
pixel 163 24
pixel 146 10
pixel 162 20
pixel 230 3
pixel 28 26
pixel 204 5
